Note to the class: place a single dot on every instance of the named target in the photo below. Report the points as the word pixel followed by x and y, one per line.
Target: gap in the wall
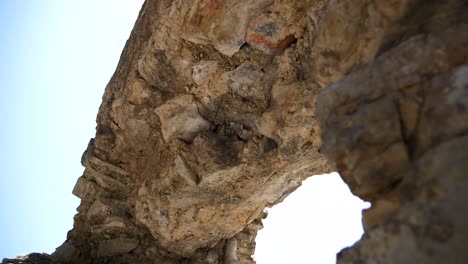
pixel 312 224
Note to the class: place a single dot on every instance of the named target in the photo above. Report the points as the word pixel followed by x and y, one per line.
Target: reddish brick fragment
pixel 270 34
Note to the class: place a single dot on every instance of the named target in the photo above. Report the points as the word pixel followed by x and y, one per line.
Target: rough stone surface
pixel 219 109
pixel 270 33
pixel 116 246
pixel 180 119
pixel 396 129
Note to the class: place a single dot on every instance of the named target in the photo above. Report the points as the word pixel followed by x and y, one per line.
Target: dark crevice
pixel 269 144
pixel 409 145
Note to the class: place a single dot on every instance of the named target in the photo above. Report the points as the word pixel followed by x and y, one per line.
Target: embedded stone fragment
pixel 236 99
pixel 180 119
pixel 157 70
pixel 116 246
pixel 220 178
pixel 138 131
pixel 104 181
pixel 204 71
pixel 140 93
pixel 183 171
pixel 231 252
pixel 270 33
pixel 112 225
pixel 151 213
pixel 84 188
pixel 99 210
pixel 104 168
pixel 211 22
pixel 250 84
pixel 104 164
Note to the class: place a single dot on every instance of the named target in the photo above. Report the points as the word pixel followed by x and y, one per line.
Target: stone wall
pixel 219 109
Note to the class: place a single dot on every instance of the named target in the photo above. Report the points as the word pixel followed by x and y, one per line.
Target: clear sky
pixel 312 224
pixel 56 57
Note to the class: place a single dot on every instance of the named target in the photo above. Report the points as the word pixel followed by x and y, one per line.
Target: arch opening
pixel 312 224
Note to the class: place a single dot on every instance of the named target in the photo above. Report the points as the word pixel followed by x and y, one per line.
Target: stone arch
pixel 220 108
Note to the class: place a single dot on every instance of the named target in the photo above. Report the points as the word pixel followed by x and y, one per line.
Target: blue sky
pixel 56 59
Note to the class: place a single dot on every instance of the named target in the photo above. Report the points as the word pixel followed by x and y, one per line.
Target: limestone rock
pixel 116 246
pixel 415 176
pixel 269 33
pixel 84 187
pixel 155 68
pixel 66 252
pixel 180 119
pixel 211 22
pixel 204 71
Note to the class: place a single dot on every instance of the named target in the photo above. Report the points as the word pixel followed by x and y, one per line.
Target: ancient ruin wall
pixel 219 109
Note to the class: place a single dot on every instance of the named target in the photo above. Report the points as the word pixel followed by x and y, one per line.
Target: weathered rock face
pixel 211 116
pixel 399 141
pixel 395 129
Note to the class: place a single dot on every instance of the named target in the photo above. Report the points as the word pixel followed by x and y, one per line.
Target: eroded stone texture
pixel 220 23
pixel 399 141
pixel 180 119
pixel 211 116
pixel 270 33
